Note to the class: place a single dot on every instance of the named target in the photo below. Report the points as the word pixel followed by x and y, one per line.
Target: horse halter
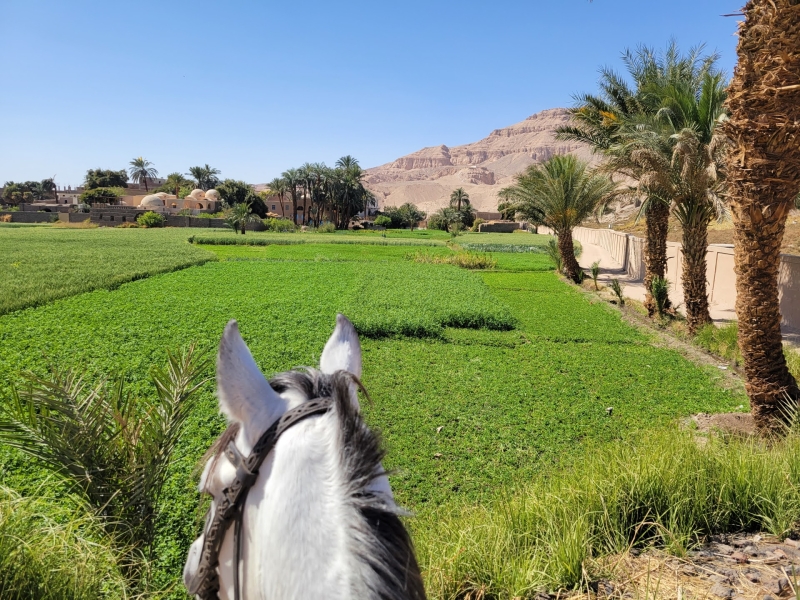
pixel 230 508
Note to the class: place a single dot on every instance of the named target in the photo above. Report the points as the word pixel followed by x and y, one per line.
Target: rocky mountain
pixel 483 168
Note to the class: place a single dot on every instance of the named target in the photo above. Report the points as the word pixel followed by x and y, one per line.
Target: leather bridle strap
pixel 230 507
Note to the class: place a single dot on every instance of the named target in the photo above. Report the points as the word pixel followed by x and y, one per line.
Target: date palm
pixel 457 197
pixel 278 187
pixel 293 180
pixel 206 177
pixel 560 193
pixel 141 170
pixel 678 157
pixel 602 120
pixel 175 181
pixel 764 180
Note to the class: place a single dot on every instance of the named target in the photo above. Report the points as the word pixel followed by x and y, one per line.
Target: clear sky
pixel 253 87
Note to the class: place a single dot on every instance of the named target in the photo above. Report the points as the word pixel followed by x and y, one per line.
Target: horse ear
pixel 243 391
pixel 343 350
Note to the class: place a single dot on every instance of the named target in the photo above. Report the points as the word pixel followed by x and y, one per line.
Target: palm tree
pixel 602 121
pixel 239 215
pixel 141 170
pixel 293 183
pixel 457 197
pixel 560 193
pixel 175 181
pixel 205 177
pixel 677 154
pixel 278 187
pixel 764 180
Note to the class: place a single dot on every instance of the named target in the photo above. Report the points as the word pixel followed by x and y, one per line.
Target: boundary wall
pixel 628 251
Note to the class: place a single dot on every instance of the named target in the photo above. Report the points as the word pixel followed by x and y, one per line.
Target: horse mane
pixel 378 538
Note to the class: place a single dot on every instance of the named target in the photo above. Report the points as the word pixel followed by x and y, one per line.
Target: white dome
pixel 151 201
pixel 198 194
pixel 162 195
pixel 213 195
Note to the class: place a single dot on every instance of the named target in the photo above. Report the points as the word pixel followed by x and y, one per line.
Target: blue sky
pixel 255 87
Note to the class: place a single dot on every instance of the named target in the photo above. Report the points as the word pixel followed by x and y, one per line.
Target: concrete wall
pixel 628 251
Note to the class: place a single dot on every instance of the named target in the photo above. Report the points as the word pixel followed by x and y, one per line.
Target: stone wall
pixel 19 216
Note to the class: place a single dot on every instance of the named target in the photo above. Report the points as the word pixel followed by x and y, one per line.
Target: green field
pixel 480 380
pixel 42 263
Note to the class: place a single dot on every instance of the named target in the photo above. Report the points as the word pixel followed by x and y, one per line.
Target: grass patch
pixel 42 264
pixel 54 550
pixel 667 490
pixel 464 260
pixel 287 239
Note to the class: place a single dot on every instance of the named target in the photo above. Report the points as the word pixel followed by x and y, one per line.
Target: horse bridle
pixel 230 507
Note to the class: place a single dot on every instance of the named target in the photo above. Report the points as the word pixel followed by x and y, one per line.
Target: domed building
pixel 152 201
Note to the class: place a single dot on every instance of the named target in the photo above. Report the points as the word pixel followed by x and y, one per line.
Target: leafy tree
pixel 103 195
pixel 764 181
pixel 141 170
pixel 235 192
pixel 560 193
pixel 383 221
pixel 604 120
pixel 205 177
pixel 96 178
pixel 407 215
pixel 105 444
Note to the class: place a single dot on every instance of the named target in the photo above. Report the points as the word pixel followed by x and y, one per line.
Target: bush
pixel 128 225
pixel 617 287
pixel 185 212
pixel 383 221
pixel 218 215
pixel 437 221
pixel 660 290
pixel 5 218
pixel 151 219
pixel 477 225
pixel 465 260
pixel 555 255
pixel 279 225
pixel 326 228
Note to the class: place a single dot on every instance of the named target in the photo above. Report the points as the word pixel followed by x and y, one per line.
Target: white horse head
pixel 320 520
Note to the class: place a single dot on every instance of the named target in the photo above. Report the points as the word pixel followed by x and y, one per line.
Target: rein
pixel 230 509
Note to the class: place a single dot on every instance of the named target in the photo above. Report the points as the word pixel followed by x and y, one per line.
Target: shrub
pixel 279 225
pixel 617 288
pixel 107 445
pixel 326 228
pixel 185 212
pixel 5 218
pixel 660 290
pixel 477 224
pixel 127 225
pixel 383 221
pixel 218 215
pixel 87 224
pixel 151 219
pixel 456 229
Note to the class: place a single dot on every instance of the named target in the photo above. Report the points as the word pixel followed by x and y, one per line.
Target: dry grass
pixel 87 224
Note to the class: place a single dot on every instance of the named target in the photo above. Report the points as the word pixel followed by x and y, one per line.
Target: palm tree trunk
pixel 655 256
pixel 763 175
pixel 567 250
pixel 695 294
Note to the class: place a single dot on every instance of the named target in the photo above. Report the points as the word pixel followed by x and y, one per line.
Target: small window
pixel 273 207
pixel 174 205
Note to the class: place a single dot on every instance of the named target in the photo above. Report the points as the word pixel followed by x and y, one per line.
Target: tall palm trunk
pixel 567 250
pixel 655 256
pixel 764 177
pixel 695 290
